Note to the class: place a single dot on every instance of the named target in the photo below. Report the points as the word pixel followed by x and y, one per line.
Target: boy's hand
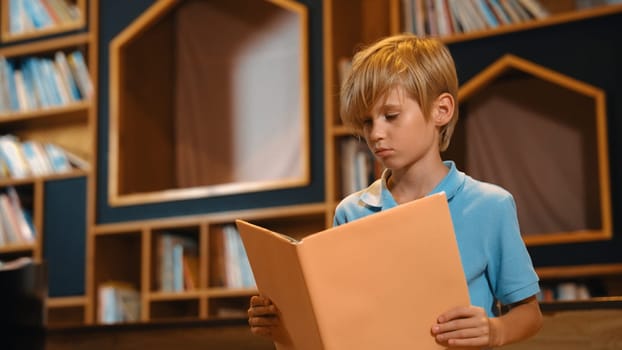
pixel 262 316
pixel 464 327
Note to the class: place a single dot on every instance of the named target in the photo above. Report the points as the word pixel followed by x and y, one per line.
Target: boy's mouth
pixel 381 152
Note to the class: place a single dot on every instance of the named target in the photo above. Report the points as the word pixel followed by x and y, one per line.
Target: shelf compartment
pixel 20 229
pixel 117 259
pixel 177 309
pixel 76 24
pixel 540 135
pixel 175 259
pixel 198 148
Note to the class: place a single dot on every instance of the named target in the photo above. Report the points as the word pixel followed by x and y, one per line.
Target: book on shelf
pixel 37 160
pixel 32 158
pixel 12 156
pixel 448 17
pixel 499 12
pixel 81 74
pixel 16 225
pixel 24 223
pixel 327 285
pixel 57 158
pixel 118 302
pixel 177 262
pixel 31 15
pixel 30 83
pixel 229 266
pixel 483 9
pixel 535 8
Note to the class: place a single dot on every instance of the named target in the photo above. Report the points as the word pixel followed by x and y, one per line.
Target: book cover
pixel 359 285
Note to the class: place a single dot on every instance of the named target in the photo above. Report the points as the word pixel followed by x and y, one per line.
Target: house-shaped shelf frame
pixel 202 95
pixel 543 136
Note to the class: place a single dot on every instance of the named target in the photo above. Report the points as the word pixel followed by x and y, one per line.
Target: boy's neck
pixel 415 182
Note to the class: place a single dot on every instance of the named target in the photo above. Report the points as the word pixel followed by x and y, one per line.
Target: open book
pixel 378 282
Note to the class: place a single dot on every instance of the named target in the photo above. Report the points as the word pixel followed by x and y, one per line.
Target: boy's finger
pixel 263 321
pixel 258 300
pixel 262 310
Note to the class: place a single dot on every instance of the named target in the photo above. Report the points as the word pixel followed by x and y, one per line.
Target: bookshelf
pixel 128 253
pixel 70 124
pixel 576 254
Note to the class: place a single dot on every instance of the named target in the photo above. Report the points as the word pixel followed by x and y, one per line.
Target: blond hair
pixel 423 67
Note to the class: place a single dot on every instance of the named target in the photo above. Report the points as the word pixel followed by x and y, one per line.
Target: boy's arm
pixel 522 321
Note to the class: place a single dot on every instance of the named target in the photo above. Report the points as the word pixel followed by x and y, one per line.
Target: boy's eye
pixel 367 122
pixel 391 116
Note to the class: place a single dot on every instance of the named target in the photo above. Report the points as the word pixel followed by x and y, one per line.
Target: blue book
pixel 80 72
pixel 29 86
pixel 37 14
pixel 30 70
pixel 50 82
pixel 178 267
pixel 487 12
pixel 57 157
pixel 65 73
pixel 15 23
pixel 5 104
pixel 10 75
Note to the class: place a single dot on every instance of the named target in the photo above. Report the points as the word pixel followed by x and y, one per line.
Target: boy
pixel 401 97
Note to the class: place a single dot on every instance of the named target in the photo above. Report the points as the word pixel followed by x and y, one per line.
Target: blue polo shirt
pixel 495 260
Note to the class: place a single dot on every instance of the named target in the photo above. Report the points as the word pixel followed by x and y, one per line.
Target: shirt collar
pixel 378 194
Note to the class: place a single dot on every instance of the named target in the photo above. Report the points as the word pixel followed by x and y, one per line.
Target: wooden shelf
pixel 562 272
pixel 17 248
pixel 75 173
pixel 66 311
pixel 50 45
pixel 553 20
pixel 294 212
pixel 8 37
pixel 589 304
pixel 64 302
pixel 230 292
pixel 52 112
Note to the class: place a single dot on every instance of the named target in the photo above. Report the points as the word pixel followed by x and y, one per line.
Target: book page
pixel 274 260
pixel 381 281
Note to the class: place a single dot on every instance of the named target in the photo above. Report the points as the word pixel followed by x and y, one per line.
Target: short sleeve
pixel 510 270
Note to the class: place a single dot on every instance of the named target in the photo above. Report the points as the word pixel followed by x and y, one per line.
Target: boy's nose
pixel 377 132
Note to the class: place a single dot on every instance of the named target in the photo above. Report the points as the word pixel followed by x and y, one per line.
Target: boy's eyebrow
pixel 390 106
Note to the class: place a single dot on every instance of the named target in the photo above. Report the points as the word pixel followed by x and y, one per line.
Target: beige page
pixel 378 282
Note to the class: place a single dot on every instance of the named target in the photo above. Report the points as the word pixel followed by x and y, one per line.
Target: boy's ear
pixel 443 109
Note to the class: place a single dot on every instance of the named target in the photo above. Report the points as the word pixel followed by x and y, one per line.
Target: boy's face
pixel 397 132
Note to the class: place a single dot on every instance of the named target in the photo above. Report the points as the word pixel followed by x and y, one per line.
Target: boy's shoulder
pixel 362 203
pixel 485 192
